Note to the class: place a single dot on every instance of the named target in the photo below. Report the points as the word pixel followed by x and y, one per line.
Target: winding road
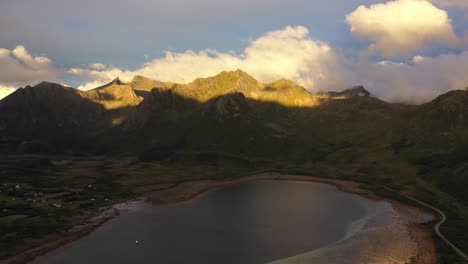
pixel 442 220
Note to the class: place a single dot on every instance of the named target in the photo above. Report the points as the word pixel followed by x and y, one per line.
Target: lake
pixel 253 222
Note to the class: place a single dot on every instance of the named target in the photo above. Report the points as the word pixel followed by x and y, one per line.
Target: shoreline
pixel 189 190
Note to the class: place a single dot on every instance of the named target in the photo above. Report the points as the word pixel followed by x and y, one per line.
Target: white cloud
pixel 19 67
pixel 287 53
pixel 417 81
pixel 5 91
pixel 98 66
pixel 400 27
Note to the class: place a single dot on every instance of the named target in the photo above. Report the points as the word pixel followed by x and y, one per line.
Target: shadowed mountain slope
pixel 47 105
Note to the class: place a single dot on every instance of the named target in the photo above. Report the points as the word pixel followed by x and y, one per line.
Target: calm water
pixel 254 222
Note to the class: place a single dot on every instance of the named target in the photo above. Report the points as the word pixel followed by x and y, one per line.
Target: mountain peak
pixel 114 82
pixel 356 91
pixel 241 72
pixel 143 84
pixel 117 81
pixel 139 77
pixel 237 74
pixel 44 84
pixel 220 84
pixel 283 82
pixel 114 95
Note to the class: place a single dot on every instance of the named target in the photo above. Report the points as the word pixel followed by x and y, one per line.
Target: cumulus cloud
pixel 5 91
pixel 98 66
pixel 400 27
pixel 19 67
pixel 287 53
pixel 420 80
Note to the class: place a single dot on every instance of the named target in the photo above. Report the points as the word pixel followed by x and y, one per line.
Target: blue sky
pixel 123 32
pixel 128 34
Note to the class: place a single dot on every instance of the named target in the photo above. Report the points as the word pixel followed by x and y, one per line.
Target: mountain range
pixel 234 113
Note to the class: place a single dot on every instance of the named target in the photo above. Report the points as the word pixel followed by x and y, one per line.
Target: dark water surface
pixel 254 222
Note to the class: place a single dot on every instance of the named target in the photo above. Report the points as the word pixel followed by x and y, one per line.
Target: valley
pixel 66 153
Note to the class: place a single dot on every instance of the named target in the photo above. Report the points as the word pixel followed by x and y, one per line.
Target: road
pixel 442 220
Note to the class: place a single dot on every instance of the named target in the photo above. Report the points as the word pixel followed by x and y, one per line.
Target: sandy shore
pixel 394 234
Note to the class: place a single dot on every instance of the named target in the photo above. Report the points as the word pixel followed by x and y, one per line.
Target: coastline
pixel 419 234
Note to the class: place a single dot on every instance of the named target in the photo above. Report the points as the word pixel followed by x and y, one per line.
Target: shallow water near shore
pixel 252 222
